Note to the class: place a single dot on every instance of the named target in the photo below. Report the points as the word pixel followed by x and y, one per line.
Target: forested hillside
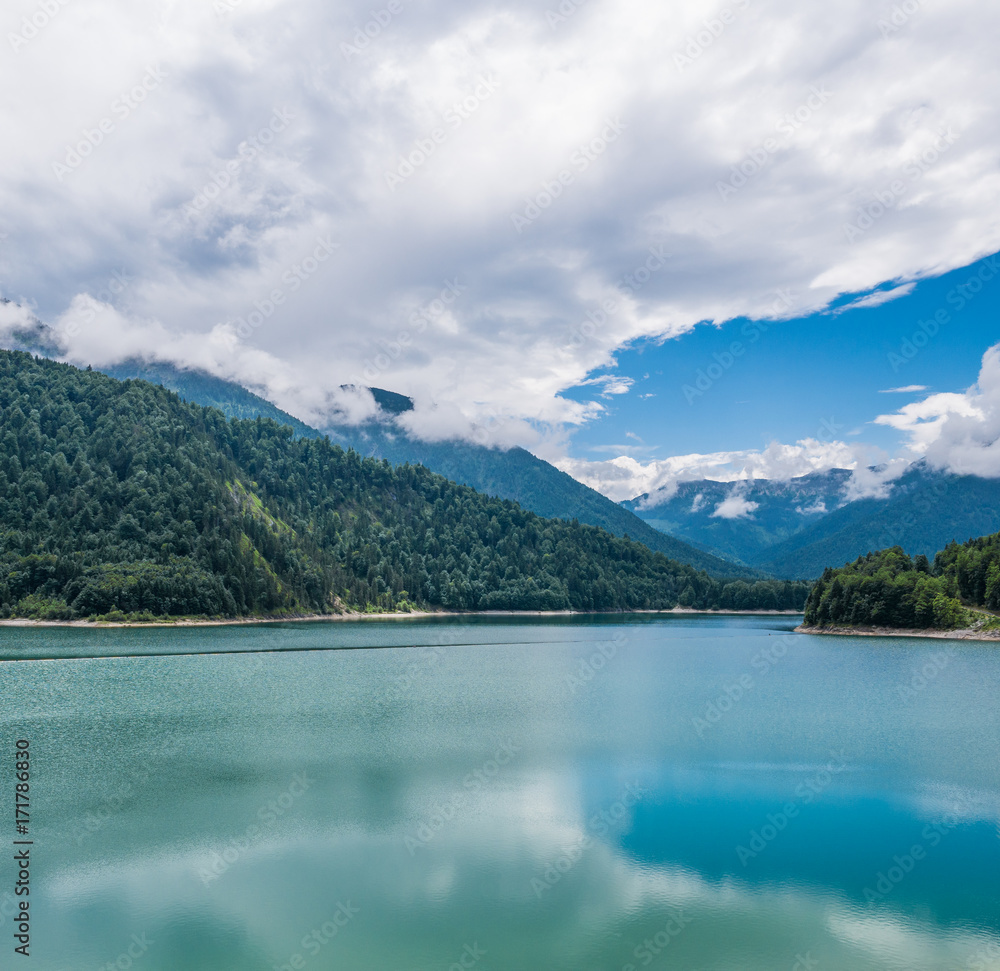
pixel 512 473
pixel 117 498
pixel 888 589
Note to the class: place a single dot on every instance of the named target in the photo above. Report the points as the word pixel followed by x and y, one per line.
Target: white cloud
pixel 527 320
pixel 91 332
pixel 957 431
pixel 735 506
pixel 878 298
pixel 610 384
pixel 818 508
pixel 907 389
pixel 874 481
pixel 625 477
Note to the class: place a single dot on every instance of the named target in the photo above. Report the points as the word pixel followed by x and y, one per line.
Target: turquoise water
pixel 695 793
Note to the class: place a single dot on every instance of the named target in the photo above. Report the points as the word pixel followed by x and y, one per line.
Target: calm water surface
pixel 699 793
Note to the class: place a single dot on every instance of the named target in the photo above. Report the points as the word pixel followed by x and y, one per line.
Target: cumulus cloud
pixel 957 431
pixel 625 477
pixel 95 333
pixel 735 506
pixel 657 193
pixel 874 481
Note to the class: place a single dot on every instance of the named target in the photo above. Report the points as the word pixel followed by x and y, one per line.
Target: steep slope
pixel 744 521
pixel 925 511
pixel 212 392
pixel 518 475
pixel 798 527
pixel 513 474
pixel 118 497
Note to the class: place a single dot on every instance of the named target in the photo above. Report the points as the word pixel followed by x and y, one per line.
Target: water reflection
pixel 254 811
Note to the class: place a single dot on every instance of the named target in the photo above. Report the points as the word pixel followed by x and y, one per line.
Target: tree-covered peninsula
pixel 889 589
pixel 120 500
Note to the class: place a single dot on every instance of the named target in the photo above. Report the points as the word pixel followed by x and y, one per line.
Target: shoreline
pixel 413 614
pixel 963 634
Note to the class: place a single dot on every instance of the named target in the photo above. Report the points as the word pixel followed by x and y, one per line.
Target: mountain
pixel 118 499
pixel 925 511
pixel 513 474
pixel 212 392
pixel 889 589
pixel 799 527
pixel 33 336
pixel 743 521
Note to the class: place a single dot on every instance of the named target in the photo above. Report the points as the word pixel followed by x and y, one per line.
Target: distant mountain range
pixel 797 528
pixel 790 529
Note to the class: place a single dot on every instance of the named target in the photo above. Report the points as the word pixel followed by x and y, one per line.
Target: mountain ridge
pixel 513 474
pixel 119 500
pixel 923 511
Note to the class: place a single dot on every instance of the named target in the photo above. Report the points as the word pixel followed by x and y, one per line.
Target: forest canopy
pixel 889 589
pixel 118 499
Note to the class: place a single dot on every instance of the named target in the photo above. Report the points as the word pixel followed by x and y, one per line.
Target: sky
pixel 551 225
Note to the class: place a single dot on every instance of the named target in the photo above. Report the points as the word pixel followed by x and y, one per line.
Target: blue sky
pixel 443 211
pixel 821 376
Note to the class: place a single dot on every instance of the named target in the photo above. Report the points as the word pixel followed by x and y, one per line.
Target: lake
pixel 698 793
